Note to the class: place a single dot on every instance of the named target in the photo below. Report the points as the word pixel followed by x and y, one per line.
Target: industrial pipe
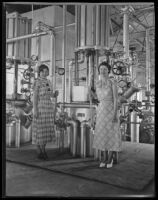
pixel 126 34
pixel 83 138
pixel 130 92
pixel 52 59
pixel 64 48
pixel 71 63
pixel 76 26
pixel 74 124
pixel 107 26
pixel 77 105
pixel 97 25
pixel 147 60
pixel 26 37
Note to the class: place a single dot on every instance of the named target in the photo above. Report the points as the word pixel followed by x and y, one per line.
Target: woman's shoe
pixel 102 164
pixel 115 159
pixel 40 156
pixel 109 165
pixel 45 156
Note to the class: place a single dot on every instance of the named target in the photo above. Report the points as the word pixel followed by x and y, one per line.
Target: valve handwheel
pixel 118 68
pixel 26 74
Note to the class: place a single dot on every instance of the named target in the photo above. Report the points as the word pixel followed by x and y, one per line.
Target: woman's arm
pixel 35 98
pixel 115 97
pixel 53 94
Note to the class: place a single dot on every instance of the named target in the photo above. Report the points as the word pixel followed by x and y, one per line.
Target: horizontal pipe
pixel 77 105
pixel 35 34
pixel 26 37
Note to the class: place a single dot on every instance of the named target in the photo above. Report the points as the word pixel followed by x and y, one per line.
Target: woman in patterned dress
pixel 43 112
pixel 107 136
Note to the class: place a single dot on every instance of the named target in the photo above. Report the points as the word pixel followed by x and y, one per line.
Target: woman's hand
pixel 35 113
pixel 115 119
pixel 56 93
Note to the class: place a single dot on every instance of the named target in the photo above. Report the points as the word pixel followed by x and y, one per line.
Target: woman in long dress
pixel 43 112
pixel 107 137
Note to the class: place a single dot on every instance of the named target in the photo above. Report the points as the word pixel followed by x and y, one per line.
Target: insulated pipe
pixel 64 50
pixel 83 138
pixel 74 124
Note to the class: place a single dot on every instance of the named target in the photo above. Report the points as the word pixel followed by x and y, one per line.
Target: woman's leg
pixel 105 156
pixel 109 163
pixel 44 150
pixel 115 157
pixel 39 152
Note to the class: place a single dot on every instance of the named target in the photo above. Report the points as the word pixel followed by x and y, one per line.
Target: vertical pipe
pixel 107 26
pixel 76 26
pixel 79 25
pixel 64 49
pixel 126 33
pixel 93 25
pixel 147 60
pixel 51 68
pixel 70 81
pixel 54 63
pixel 97 25
pixel 83 25
pixel 32 19
pixel 83 139
pixel 102 28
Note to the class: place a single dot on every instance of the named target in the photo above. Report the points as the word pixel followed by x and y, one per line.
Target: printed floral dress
pixel 43 126
pixel 107 134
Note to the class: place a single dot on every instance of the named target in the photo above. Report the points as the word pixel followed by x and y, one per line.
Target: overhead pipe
pixel 74 124
pixel 26 37
pixel 32 35
pixel 77 105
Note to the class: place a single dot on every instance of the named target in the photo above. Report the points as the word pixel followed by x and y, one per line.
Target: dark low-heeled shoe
pixel 45 156
pixel 41 156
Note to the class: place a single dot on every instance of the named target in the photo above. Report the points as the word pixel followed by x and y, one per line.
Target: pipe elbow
pixel 83 124
pixel 72 122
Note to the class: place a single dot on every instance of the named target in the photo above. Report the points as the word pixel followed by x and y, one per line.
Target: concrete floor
pixel 24 180
pixel 28 181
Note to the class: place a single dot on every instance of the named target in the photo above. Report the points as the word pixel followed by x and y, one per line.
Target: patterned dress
pixel 43 126
pixel 107 134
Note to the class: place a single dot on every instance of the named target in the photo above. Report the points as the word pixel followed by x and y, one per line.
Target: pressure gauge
pixel 34 57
